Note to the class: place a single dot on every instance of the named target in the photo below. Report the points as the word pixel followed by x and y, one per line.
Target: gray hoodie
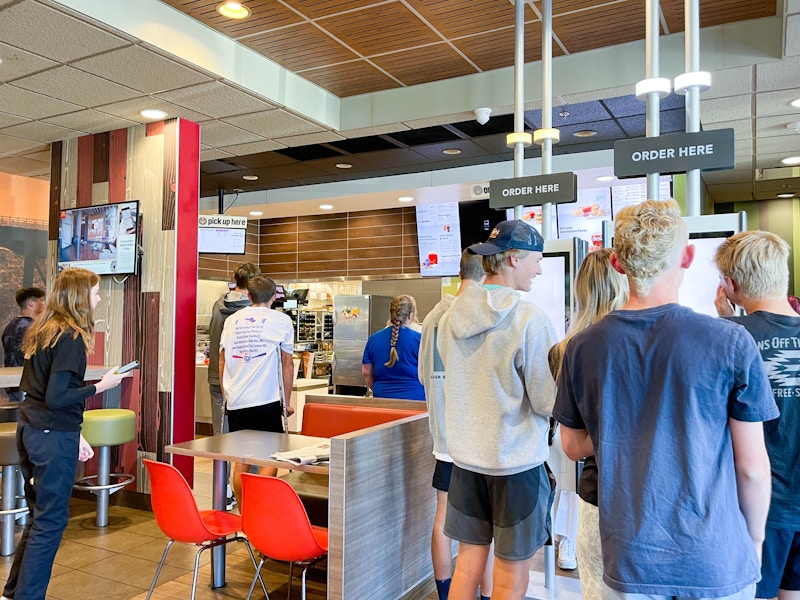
pixel 227 304
pixel 499 390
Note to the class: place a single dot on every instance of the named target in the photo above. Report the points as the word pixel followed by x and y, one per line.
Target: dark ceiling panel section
pixel 426 135
pixel 500 124
pixel 219 166
pixel 309 152
pixel 626 106
pixel 365 144
pixel 606 130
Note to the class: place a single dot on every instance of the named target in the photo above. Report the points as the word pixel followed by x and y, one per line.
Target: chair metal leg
pixel 158 570
pixel 257 577
pixel 196 570
pixel 289 593
pixel 257 567
pixel 303 588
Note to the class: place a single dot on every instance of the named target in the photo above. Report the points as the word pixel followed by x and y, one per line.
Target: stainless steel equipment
pixel 355 318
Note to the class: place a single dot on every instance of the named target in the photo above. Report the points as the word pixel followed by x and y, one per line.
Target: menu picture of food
pixel 584 219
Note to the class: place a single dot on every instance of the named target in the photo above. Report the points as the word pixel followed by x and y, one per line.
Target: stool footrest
pixel 14 511
pixel 123 479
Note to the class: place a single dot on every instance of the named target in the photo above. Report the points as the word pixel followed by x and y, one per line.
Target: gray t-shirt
pixel 655 389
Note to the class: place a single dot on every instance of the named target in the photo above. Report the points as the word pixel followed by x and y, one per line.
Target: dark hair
pixel 261 289
pixel 22 296
pixel 243 273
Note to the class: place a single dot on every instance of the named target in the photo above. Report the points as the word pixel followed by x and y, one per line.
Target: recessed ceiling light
pixel 604 178
pixel 250 177
pixel 344 165
pixel 406 198
pixel 153 113
pixel 451 151
pixel 786 195
pixel 582 133
pixel 791 160
pixel 256 213
pixel 326 206
pixel 795 103
pixel 233 10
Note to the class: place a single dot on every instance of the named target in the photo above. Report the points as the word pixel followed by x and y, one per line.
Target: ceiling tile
pixel 23 166
pixel 787 146
pixel 266 14
pixel 378 130
pixel 242 150
pixel 90 121
pixel 219 134
pixel 770 104
pixel 730 82
pixel 600 27
pixel 793 7
pixel 40 155
pixel 731 108
pixel 438 120
pixel 19 63
pixel 767 127
pixel 766 161
pixel 6 120
pixel 731 192
pixel 213 154
pixel 216 100
pixel 732 176
pixel 314 9
pixel 32 105
pixel 350 79
pixel 742 130
pixel 714 12
pixel 743 146
pixel 141 69
pixel 494 50
pixel 273 123
pixel 360 29
pixel 129 109
pixel 40 132
pixel 309 138
pixel 440 60
pixel 457 19
pixel 300 47
pixel 47 32
pixel 778 75
pixel 14 145
pixel 76 86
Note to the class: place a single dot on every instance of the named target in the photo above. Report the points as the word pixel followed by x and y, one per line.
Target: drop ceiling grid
pixel 601 26
pixel 440 62
pixel 300 47
pixel 715 12
pixel 460 19
pixel 491 50
pixel 266 14
pixel 350 79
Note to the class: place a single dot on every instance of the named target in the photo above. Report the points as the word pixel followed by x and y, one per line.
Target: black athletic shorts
pixel 441 475
pixel 266 417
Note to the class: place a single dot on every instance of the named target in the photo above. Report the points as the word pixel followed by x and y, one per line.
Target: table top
pixel 251 447
pixel 11 376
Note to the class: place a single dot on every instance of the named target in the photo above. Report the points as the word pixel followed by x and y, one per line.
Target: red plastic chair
pixel 276 523
pixel 178 517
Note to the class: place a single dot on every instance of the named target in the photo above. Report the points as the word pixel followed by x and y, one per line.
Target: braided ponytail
pixel 400 310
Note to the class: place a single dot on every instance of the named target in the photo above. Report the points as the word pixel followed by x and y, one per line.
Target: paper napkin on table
pixel 307 455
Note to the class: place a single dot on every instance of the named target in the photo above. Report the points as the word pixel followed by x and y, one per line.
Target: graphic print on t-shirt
pixel 248 341
pixel 783 365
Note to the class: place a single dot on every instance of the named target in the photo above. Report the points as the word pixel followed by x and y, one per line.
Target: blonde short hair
pixel 648 240
pixel 758 261
pixel 494 263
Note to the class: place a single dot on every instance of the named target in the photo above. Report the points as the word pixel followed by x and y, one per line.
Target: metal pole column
pixel 519 92
pixel 547 168
pixel 103 478
pixel 692 50
pixel 653 99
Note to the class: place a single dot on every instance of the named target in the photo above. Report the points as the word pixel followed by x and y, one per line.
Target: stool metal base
pixel 9 512
pixel 104 487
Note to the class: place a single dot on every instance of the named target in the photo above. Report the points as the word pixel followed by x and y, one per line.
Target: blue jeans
pixel 50 458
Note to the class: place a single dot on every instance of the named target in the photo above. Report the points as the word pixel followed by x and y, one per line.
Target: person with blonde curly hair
pixel 671 403
pixel 391 357
pixel 48 433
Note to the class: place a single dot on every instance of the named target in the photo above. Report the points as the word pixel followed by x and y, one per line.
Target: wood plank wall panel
pixel 54 204
pixel 117 164
pixel 69 177
pixel 170 166
pixel 100 158
pixel 149 369
pixel 85 166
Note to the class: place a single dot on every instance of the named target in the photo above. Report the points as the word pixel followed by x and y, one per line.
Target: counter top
pixel 11 376
pixel 307 384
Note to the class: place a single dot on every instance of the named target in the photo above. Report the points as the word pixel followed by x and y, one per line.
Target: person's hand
pixel 111 379
pixel 85 451
pixel 722 304
pixel 289 411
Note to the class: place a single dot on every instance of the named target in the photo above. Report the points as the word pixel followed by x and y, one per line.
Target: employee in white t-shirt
pixel 255 349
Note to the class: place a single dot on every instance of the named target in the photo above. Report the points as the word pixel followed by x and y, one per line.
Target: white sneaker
pixel 566 554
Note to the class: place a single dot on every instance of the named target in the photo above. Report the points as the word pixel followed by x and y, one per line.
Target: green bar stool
pixel 9 459
pixel 103 428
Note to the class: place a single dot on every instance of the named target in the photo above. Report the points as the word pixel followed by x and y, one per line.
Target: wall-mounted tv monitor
pixel 438 239
pixel 221 234
pixel 533 215
pixel 477 219
pixel 102 238
pixel 552 290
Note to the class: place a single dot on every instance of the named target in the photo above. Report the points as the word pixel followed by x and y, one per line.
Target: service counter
pixel 11 376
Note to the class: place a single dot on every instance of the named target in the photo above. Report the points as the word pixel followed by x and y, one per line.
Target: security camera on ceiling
pixel 482 115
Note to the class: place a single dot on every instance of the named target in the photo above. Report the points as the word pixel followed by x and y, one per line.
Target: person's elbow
pixel 576 443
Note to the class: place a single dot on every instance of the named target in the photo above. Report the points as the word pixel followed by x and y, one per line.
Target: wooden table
pixel 11 376
pixel 249 447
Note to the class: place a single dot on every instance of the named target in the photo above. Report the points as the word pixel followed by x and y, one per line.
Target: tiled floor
pixel 118 562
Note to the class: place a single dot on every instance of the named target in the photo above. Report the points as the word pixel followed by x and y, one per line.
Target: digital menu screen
pixel 438 239
pixel 584 218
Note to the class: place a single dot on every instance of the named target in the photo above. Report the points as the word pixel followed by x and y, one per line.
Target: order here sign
pixel 558 188
pixel 675 153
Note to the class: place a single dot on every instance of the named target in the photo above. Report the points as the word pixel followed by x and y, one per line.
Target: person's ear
pixel 687 256
pixel 615 264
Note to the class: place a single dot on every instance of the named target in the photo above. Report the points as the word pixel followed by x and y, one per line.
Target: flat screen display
pixel 701 279
pixel 221 240
pixel 477 219
pixel 438 239
pixel 584 218
pixel 551 290
pixel 102 239
pixel 533 215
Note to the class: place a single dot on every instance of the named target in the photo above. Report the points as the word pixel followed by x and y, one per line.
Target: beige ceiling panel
pixel 40 132
pixel 217 134
pixel 22 165
pixel 768 127
pixel 743 147
pixel 379 130
pixel 742 130
pixel 253 148
pixel 19 63
pixel 14 145
pixel 76 86
pixel 733 176
pixel 729 82
pixel 792 38
pixel 41 155
pixel 129 109
pixel 7 120
pixel 216 100
pixel 213 154
pixel 767 161
pixel 778 75
pixel 274 123
pixel 786 146
pixel 770 104
pixel 309 138
pixel 90 121
pixel 731 108
pixel 142 70
pixel 731 192
pixel 47 32
pixel 793 7
pixel 32 105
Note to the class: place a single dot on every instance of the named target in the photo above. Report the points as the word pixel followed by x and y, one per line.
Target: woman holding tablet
pixel 48 433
